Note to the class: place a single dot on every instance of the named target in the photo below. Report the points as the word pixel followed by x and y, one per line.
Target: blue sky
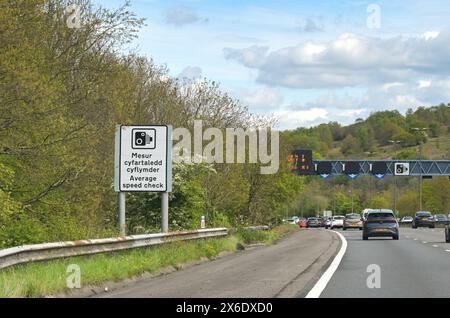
pixel 305 62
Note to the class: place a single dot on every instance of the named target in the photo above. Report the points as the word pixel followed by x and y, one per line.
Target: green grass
pixel 47 278
pixel 266 237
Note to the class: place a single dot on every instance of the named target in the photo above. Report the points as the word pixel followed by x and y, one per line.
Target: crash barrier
pixel 47 251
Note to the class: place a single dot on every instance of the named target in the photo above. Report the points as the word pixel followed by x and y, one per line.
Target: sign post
pixel 143 163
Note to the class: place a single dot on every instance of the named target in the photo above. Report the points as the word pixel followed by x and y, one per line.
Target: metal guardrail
pixel 257 228
pixel 47 251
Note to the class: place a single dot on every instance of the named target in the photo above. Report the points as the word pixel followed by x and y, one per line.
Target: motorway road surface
pixel 418 265
pixel 285 269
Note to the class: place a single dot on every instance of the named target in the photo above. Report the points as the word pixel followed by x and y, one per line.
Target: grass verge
pixel 47 278
pixel 265 237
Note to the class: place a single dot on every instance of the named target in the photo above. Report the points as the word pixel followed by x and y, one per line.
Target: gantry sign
pixel 300 159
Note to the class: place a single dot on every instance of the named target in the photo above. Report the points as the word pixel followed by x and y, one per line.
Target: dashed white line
pixel 319 287
pixel 424 242
pixel 447 251
pixel 434 245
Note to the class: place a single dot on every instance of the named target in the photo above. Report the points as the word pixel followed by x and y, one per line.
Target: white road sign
pixel 143 160
pixel 402 169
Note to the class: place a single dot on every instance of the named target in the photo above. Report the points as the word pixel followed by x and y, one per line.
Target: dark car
pixel 440 218
pixel 424 219
pixel 380 223
pixel 313 222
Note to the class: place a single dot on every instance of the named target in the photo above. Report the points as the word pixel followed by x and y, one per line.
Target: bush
pixel 250 236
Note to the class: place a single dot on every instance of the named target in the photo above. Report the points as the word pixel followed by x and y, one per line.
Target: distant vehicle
pixel 292 220
pixel 313 222
pixel 440 218
pixel 337 221
pixel 352 221
pixel 380 223
pixel 447 234
pixel 321 221
pixel 328 223
pixel 423 219
pixel 302 223
pixel 364 214
pixel 407 219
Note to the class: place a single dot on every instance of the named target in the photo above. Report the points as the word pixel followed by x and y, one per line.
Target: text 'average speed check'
pixel 144 159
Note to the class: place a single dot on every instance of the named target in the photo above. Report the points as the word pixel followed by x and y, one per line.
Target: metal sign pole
pixel 420 193
pixel 165 195
pixel 122 225
pixel 165 212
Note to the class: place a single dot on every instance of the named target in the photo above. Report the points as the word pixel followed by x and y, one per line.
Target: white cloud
pixel 349 60
pixel 424 84
pixel 289 119
pixel 430 35
pixel 250 57
pixel 351 113
pixel 266 98
pixel 180 16
pixel 191 73
pixel 312 25
pixel 388 86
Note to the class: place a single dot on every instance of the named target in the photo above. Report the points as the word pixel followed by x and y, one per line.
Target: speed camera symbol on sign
pixel 143 139
pixel 402 169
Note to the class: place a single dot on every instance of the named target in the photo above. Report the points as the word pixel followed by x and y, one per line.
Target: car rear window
pixel 424 214
pixel 380 215
pixel 352 216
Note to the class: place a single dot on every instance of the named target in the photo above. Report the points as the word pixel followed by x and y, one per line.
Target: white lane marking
pixel 434 245
pixel 447 251
pixel 319 287
pixel 415 239
pixel 424 242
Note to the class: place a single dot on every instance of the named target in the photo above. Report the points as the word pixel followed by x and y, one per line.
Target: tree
pixel 350 145
pixel 436 195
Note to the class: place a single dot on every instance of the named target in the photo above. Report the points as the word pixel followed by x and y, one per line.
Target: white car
pixel 406 219
pixel 292 220
pixel 337 221
pixel 364 214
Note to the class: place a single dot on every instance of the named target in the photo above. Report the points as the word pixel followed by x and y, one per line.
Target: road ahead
pixel 418 265
pixel 281 270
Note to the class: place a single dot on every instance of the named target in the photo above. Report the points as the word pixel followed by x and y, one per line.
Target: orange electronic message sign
pixel 301 162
